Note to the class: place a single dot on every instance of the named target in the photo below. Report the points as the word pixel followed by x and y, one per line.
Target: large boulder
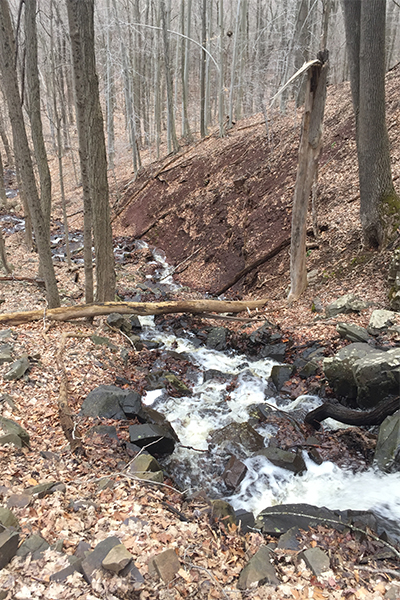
pixel 238 438
pixel 345 304
pixel 339 369
pixel 387 452
pixel 377 375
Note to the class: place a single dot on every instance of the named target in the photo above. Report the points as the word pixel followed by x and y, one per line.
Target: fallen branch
pixel 350 416
pixel 65 313
pixel 39 282
pixel 260 261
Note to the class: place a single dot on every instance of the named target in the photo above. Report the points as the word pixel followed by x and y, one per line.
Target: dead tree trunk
pixel 309 151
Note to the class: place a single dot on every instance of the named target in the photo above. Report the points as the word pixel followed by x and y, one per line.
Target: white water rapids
pixel 212 407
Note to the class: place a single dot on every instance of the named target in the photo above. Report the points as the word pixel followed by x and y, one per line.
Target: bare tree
pixel 22 151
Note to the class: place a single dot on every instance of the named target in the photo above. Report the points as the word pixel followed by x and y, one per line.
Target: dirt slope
pixel 229 200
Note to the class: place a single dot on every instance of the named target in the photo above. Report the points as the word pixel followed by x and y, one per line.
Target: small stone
pixel 352 332
pixel 235 472
pixel 292 461
pixel 117 559
pixel 165 565
pixel 258 571
pixel 10 426
pixel 18 501
pixel 216 339
pixel 18 369
pixel 222 511
pixel 289 541
pixel 143 463
pixel 8 519
pixel 11 438
pixel 35 545
pixel 316 560
pixel 95 558
pixel 8 546
pixel 280 374
pixel 45 489
pixel 5 353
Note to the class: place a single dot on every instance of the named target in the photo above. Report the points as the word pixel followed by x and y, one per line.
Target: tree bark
pixel 81 25
pixel 309 151
pixel 21 148
pixel 349 416
pixel 66 313
pixel 173 145
pixel 365 40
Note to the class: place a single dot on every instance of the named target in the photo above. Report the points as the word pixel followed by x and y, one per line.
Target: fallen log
pixel 349 416
pixel 66 313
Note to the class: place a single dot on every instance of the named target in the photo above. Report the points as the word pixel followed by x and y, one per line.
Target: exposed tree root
pixel 352 417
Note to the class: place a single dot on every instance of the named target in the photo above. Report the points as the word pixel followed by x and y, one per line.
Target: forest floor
pixel 214 208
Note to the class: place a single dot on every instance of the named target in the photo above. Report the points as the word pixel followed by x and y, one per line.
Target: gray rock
pixel 8 519
pixel 10 426
pixel 235 472
pixel 258 571
pixel 291 461
pixel 245 520
pixel 339 369
pixel 273 351
pixel 135 322
pixel 18 369
pixel 107 401
pixel 309 361
pixel 142 464
pixel 276 520
pixel 18 500
pixel 8 546
pixel 46 489
pixel 119 322
pixel 237 437
pixel 280 374
pixel 159 379
pixel 215 374
pixel 35 545
pixel 316 560
pixel 60 576
pixel 381 320
pixel 6 334
pixel 11 438
pixel 6 353
pixel 216 339
pixel 387 452
pixel 377 375
pixel 98 340
pixel 165 565
pixel 289 541
pixel 352 332
pixel 117 559
pixel 147 433
pixel 94 559
pixel 345 304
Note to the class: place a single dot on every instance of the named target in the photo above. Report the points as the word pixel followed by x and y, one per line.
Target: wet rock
pixel 157 380
pixel 309 361
pixel 276 520
pixel 109 401
pixel 135 323
pixel 108 430
pixel 215 374
pixel 235 472
pixel 10 426
pixel 258 571
pixel 35 545
pixel 18 369
pixel 8 546
pixel 222 511
pixel 262 335
pixel 245 520
pixel 151 344
pixel 381 320
pixel 237 436
pixel 119 322
pixel 149 415
pixel 387 452
pixel 216 339
pixel 352 332
pixel 6 353
pixel 345 304
pixel 8 519
pixel 280 374
pixel 117 559
pixel 289 541
pixel 316 560
pixel 147 433
pixel 94 559
pixel 165 565
pixel 291 461
pixel 273 351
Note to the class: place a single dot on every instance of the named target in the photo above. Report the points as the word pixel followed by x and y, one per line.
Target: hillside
pixel 215 208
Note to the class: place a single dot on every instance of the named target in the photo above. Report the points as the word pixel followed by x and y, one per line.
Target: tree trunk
pixel 22 151
pixel 203 131
pixel 365 39
pixel 173 145
pixel 309 151
pixel 81 26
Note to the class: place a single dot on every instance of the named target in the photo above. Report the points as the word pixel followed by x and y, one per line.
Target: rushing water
pixel 212 407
